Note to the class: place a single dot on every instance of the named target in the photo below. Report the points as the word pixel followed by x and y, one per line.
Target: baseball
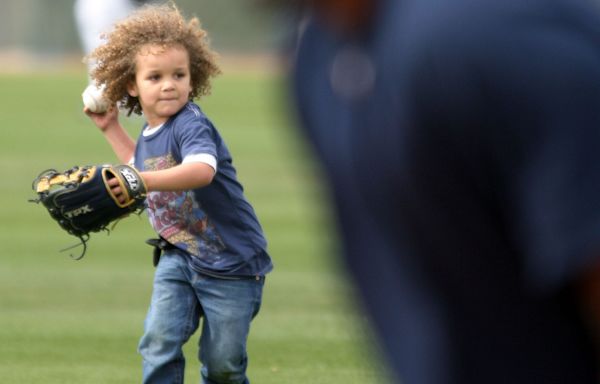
pixel 93 99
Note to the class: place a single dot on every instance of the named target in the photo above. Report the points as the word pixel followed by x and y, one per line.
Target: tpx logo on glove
pixel 78 211
pixel 131 178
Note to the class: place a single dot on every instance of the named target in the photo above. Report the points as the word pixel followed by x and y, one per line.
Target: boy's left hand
pixel 116 190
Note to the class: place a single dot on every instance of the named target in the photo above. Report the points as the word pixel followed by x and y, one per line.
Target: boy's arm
pixel 118 138
pixel 179 178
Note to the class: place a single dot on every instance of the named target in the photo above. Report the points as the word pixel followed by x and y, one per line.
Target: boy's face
pixel 162 82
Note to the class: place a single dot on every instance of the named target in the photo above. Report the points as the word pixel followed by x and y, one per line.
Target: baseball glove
pixel 82 201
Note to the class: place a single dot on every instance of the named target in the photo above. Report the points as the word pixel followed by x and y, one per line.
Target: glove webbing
pixel 52 177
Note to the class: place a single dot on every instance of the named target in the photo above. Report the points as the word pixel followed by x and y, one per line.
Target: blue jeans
pixel 180 298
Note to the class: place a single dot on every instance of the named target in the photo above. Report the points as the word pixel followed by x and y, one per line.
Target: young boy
pixel 155 62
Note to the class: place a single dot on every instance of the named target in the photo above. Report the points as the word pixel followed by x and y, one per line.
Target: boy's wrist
pixel 148 181
pixel 111 127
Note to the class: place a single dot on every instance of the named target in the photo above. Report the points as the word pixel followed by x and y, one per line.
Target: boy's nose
pixel 167 85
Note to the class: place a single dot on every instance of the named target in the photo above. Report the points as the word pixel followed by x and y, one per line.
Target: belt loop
pixel 159 245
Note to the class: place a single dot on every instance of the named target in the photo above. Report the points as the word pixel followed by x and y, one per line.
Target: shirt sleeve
pixel 202 158
pixel 197 140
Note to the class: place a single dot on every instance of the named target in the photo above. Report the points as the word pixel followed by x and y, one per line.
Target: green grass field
pixel 65 321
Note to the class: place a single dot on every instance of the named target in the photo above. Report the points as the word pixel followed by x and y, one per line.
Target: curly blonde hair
pixel 161 25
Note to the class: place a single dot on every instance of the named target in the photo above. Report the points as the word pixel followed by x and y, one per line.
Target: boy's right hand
pixel 105 120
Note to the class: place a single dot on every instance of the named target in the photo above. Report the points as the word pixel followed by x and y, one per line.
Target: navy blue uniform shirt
pixel 462 143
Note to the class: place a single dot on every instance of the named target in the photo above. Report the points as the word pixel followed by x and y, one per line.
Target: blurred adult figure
pixel 461 140
pixel 95 17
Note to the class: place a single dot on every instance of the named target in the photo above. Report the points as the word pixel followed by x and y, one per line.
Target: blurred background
pixel 65 321
pixel 42 27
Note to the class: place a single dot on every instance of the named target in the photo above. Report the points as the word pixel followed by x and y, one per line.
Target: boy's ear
pixel 132 89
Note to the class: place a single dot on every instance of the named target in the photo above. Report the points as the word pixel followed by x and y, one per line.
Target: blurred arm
pixel 589 285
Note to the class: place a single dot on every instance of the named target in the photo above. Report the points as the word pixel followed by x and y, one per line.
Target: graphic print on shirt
pixel 180 219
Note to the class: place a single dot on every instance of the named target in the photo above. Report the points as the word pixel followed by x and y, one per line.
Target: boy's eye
pixel 153 77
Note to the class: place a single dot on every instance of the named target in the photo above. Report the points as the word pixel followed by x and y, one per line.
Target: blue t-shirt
pixel 462 142
pixel 215 224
